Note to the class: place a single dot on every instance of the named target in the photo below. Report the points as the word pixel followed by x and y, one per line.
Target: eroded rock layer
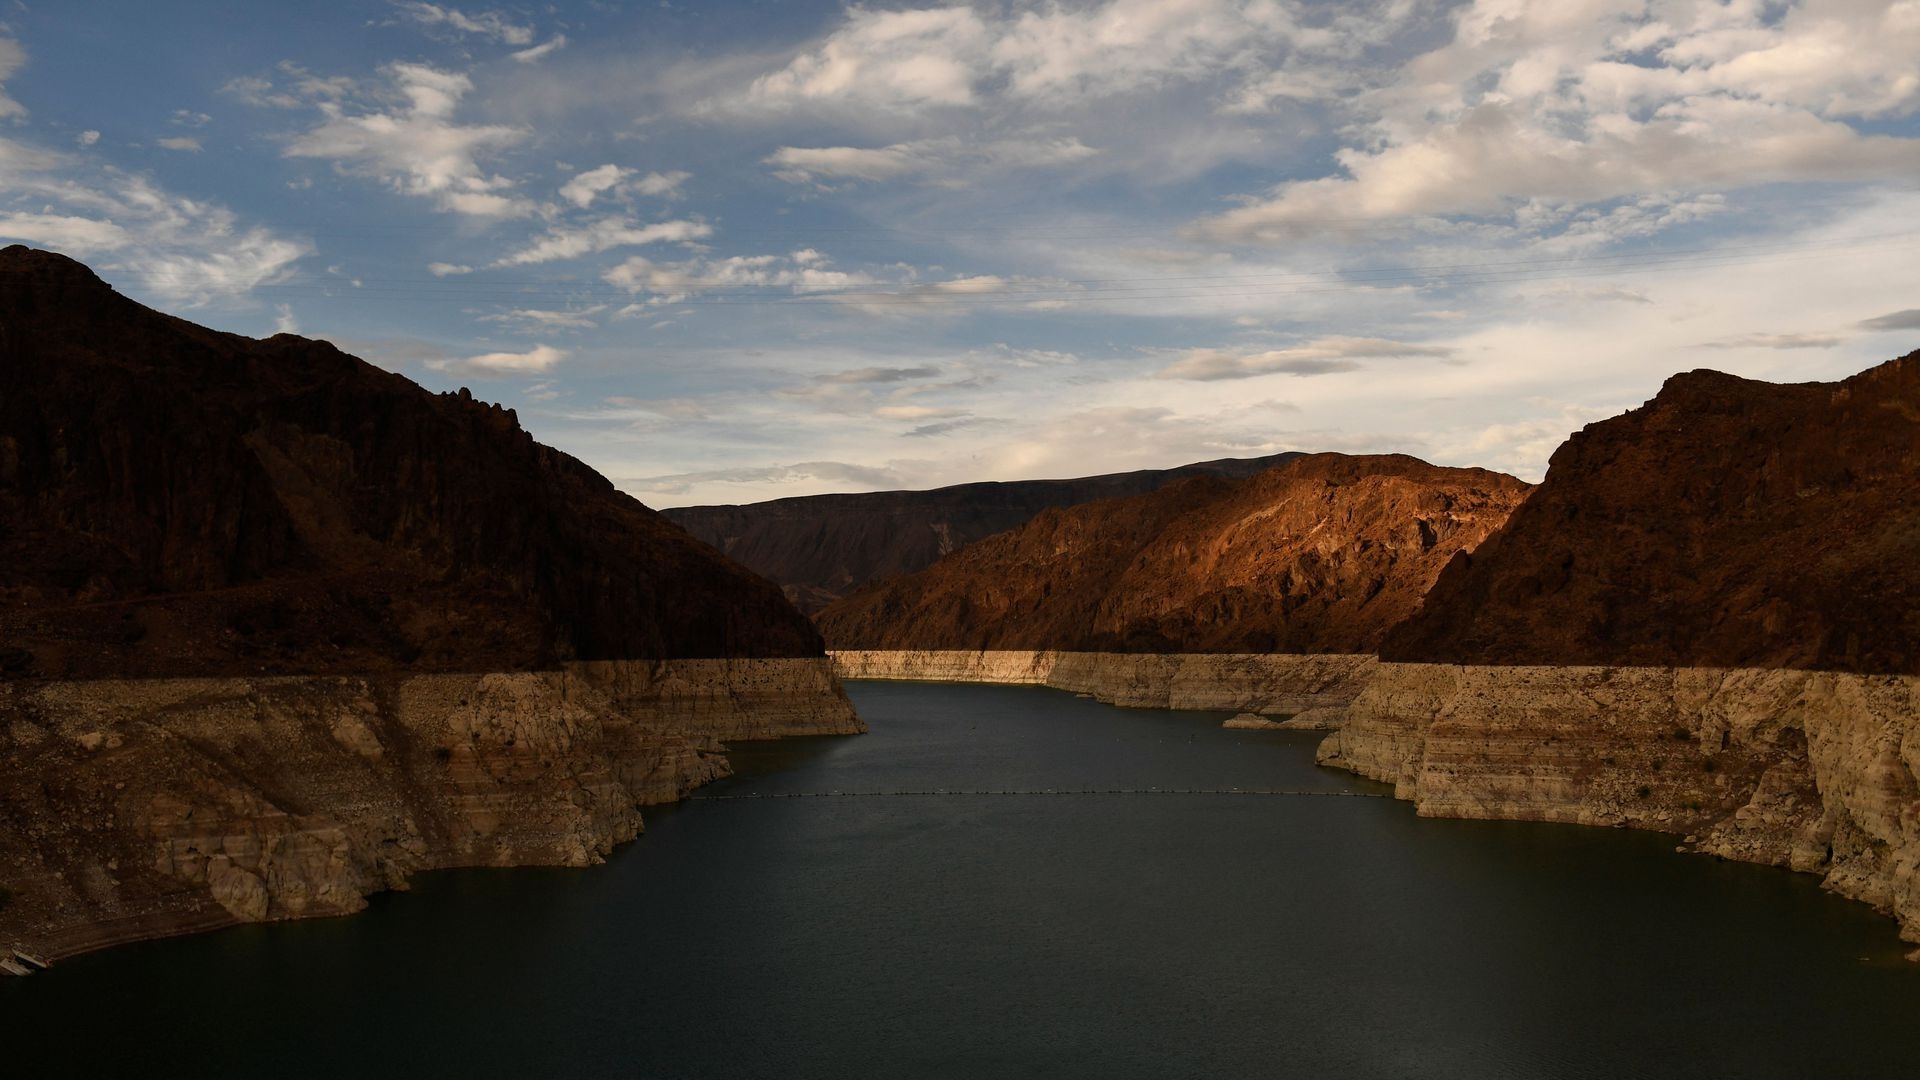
pixel 141 808
pixel 1319 686
pixel 1320 554
pixel 1812 770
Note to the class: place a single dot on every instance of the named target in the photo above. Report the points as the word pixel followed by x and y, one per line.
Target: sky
pixel 732 251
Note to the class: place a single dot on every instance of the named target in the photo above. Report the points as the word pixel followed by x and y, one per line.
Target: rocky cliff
pixel 1705 621
pixel 278 628
pixel 175 501
pixel 1321 554
pixel 821 547
pixel 1725 523
pixel 142 808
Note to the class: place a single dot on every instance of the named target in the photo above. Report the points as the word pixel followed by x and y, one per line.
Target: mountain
pixel 1725 523
pixel 179 501
pixel 279 629
pixel 821 547
pixel 1320 554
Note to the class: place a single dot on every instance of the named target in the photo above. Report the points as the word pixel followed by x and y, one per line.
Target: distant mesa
pixel 1725 523
pixel 819 548
pixel 176 501
pixel 1318 554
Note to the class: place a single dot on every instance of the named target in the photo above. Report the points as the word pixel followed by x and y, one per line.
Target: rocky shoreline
pixel 147 808
pixel 1810 770
pixel 1269 684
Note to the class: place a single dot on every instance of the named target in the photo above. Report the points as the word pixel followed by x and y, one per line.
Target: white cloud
pixel 284 321
pixel 189 118
pixel 415 146
pixel 960 56
pixel 87 138
pixel 942 158
pixel 1546 105
pixel 502 364
pixel 571 242
pixel 836 475
pixel 446 269
pixel 1322 356
pixel 541 51
pixel 549 319
pixel 590 184
pixel 180 250
pixel 490 24
pixel 184 143
pixel 804 271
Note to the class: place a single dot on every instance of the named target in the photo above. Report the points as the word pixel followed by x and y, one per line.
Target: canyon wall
pixel 143 808
pixel 818 548
pixel 1320 554
pixel 1317 686
pixel 1812 770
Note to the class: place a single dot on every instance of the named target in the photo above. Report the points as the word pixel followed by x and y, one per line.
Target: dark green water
pixel 1079 936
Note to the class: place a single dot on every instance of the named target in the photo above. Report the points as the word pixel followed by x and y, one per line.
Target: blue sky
pixel 734 251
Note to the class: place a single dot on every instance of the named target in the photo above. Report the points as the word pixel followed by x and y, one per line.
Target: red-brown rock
pixel 1321 554
pixel 176 501
pixel 1725 523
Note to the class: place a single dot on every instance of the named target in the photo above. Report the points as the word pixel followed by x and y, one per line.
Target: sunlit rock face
pixel 1318 555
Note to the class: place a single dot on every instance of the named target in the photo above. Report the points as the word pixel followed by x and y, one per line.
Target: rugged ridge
pixel 176 501
pixel 1321 554
pixel 278 629
pixel 1725 523
pixel 818 548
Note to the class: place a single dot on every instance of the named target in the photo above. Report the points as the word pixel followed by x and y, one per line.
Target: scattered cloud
pixel 446 269
pixel 590 184
pixel 489 24
pixel 1544 106
pixel 183 143
pixel 535 319
pixel 1322 356
pixel 284 321
pixel 803 271
pixel 571 242
pixel 87 138
pixel 943 160
pixel 411 142
pixel 542 50
pixel 538 359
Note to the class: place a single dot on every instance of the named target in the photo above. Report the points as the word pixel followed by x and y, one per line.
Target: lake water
pixel 1026 936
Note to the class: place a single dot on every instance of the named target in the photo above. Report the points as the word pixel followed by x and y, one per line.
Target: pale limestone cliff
pixel 1228 682
pixel 143 808
pixel 1810 770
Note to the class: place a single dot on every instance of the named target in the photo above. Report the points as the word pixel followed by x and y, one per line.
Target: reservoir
pixel 1066 935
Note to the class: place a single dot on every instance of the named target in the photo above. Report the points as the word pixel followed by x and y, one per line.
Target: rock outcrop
pixel 142 808
pixel 1812 770
pixel 1725 523
pixel 822 547
pixel 278 629
pixel 1705 621
pixel 1270 683
pixel 1321 554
